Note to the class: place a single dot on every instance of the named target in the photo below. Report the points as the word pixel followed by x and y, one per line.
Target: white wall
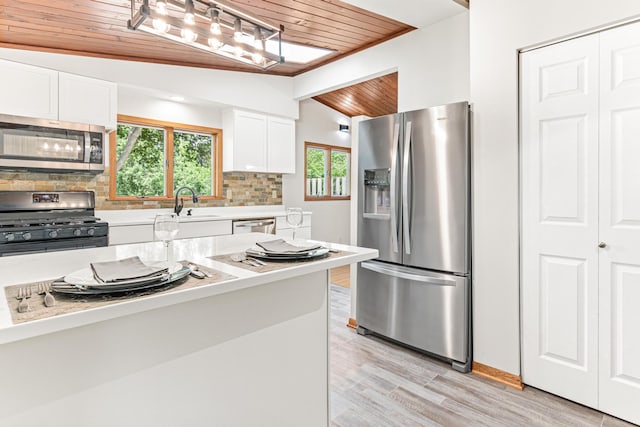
pixel 318 123
pixel 432 65
pixel 498 28
pixel 150 105
pixel 253 91
pixel 355 148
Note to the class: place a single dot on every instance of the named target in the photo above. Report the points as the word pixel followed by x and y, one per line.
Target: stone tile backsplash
pixel 238 188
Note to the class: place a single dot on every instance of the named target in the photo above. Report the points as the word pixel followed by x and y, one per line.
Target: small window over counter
pixel 327 172
pixel 151 159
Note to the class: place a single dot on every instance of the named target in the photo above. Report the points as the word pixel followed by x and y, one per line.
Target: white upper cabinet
pixel 245 141
pixel 87 100
pixel 32 91
pixel 281 145
pixel 28 91
pixel 258 143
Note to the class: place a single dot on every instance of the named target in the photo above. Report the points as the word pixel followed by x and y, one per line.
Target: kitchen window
pixel 151 159
pixel 327 172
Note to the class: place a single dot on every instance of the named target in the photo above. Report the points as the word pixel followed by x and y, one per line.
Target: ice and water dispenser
pixel 377 193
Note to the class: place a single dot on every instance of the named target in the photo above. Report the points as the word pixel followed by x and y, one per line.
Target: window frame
pixel 169 128
pixel 328 181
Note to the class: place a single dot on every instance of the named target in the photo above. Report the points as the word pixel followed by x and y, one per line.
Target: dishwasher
pixel 256 225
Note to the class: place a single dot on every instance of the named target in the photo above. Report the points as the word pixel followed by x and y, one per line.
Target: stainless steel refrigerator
pixel 414 207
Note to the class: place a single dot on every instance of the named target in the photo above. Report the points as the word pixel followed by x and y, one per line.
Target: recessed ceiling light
pixel 177 98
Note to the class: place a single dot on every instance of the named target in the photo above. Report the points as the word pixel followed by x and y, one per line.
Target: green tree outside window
pixel 143 159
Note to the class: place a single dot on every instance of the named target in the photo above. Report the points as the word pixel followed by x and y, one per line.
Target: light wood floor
pixel 340 276
pixel 375 383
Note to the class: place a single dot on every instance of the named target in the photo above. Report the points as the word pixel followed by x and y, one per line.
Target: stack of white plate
pixel 84 281
pixel 280 250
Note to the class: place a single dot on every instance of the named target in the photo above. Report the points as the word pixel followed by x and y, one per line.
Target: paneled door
pixel 559 140
pixel 580 106
pixel 620 222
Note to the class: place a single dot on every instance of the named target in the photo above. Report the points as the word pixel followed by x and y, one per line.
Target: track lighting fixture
pixel 215 27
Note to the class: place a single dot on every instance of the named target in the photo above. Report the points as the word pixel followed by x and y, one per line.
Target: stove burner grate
pixel 44 222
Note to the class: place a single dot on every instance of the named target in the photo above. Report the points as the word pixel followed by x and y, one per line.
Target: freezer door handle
pixel 390 271
pixel 393 201
pixel 405 189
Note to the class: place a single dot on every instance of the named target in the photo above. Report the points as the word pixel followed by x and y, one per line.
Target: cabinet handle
pixel 602 245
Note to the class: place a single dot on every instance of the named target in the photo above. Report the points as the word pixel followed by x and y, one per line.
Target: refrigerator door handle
pixel 394 272
pixel 405 189
pixel 392 196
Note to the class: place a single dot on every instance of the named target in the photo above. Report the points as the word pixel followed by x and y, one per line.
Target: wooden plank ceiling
pixel 373 98
pixel 99 28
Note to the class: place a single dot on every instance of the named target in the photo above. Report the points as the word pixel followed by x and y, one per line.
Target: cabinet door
pixel 87 100
pixel 281 222
pixel 559 276
pixel 250 142
pixel 301 233
pixel 620 222
pixel 281 145
pixel 28 91
pixel 193 229
pixel 125 234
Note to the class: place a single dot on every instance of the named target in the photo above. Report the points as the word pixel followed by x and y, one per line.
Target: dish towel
pixel 279 246
pixel 127 269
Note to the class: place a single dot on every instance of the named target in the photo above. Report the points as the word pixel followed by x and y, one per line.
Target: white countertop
pixel 146 216
pixel 31 268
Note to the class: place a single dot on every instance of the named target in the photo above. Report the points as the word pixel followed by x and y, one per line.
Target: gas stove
pixel 49 221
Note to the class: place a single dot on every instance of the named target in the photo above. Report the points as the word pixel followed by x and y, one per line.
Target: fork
pixel 43 289
pixel 243 258
pixel 23 295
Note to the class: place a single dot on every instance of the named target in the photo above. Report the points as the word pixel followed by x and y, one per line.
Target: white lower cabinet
pixel 285 230
pixel 580 106
pixel 193 229
pixel 123 234
pixel 301 233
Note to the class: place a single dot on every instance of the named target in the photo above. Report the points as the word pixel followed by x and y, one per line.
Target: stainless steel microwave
pixel 42 144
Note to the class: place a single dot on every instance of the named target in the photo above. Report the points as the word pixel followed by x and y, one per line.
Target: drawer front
pixel 281 222
pixel 193 229
pixel 119 235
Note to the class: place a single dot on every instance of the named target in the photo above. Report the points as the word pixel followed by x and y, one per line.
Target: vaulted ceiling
pixel 99 28
pixel 373 98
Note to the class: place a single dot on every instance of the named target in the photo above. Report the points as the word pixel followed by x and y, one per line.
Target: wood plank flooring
pixel 341 276
pixel 376 383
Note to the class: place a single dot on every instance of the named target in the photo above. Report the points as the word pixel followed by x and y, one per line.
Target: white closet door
pixel 559 118
pixel 620 222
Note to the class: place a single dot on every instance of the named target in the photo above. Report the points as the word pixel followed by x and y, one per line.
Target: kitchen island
pixel 251 350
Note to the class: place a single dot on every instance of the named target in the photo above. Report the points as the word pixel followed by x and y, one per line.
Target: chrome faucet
pixel 177 208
